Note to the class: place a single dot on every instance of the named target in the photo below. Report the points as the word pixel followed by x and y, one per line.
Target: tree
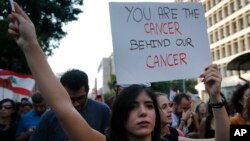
pixel 111 93
pixel 48 17
pixel 160 86
pixel 175 85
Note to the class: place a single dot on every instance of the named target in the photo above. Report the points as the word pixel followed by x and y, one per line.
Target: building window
pixel 221 33
pixel 227 30
pixel 248 42
pixel 211 38
pixel 229 50
pixel 213 56
pixel 234 27
pixel 220 15
pixel 208 4
pixel 239 4
pixel 215 18
pixel 204 7
pixel 218 54
pixel 216 36
pixel 214 2
pixel 236 48
pixel 248 19
pixel 243 45
pixel 223 52
pixel 241 23
pixel 210 21
pixel 232 7
pixel 226 11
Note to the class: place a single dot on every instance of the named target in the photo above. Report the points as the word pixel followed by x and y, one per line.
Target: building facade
pixel 228 27
pixel 104 72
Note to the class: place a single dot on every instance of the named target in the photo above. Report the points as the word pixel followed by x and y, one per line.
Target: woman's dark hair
pixel 198 107
pixel 198 112
pixel 14 114
pixel 238 96
pixel 123 106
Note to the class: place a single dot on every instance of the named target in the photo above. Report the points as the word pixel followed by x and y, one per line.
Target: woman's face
pixel 203 108
pixel 6 109
pixel 141 119
pixel 165 108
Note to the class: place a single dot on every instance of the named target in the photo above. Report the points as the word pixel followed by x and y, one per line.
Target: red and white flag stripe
pixel 17 82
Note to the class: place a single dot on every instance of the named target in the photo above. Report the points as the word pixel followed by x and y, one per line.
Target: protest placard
pixel 158 41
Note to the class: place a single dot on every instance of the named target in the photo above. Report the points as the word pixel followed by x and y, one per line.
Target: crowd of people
pixel 63 112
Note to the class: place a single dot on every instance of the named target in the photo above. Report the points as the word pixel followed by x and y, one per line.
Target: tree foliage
pixel 111 93
pixel 176 85
pixel 48 17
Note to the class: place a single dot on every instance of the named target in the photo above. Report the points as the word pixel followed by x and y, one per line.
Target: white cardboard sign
pixel 158 41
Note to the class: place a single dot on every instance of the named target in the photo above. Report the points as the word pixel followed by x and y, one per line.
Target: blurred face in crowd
pixel 165 107
pixel 141 119
pixel 184 105
pixel 202 108
pixel 78 98
pixel 26 108
pixel 40 108
pixel 6 109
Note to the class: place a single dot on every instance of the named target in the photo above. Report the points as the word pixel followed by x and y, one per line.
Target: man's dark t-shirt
pixel 49 128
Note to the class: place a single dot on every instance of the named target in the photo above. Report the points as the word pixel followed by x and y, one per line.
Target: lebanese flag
pixel 16 82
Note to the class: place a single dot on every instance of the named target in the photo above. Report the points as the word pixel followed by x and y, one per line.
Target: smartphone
pixel 11 7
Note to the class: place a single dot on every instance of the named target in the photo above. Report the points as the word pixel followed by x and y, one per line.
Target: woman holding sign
pixel 135 106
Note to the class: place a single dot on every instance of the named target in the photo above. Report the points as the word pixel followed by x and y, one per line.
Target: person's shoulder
pixel 96 104
pixel 48 119
pixel 237 119
pixel 49 113
pixel 28 114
